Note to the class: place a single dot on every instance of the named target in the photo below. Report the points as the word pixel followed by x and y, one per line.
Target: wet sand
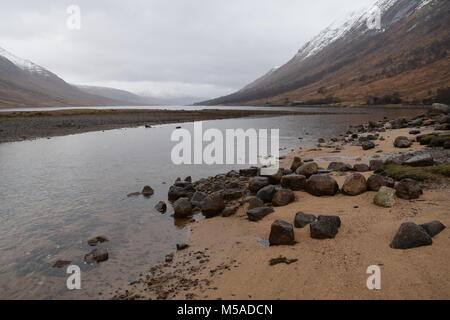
pixel 227 259
pixel 19 126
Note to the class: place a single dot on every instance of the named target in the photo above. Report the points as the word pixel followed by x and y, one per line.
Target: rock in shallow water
pixel 281 233
pixel 182 208
pixel 409 236
pixel 96 256
pixel 161 207
pixel 148 191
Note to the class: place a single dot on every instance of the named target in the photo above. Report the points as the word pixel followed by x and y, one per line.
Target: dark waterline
pixel 57 193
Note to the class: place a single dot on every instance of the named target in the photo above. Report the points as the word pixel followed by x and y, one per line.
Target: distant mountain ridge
pixel 408 57
pixel 23 83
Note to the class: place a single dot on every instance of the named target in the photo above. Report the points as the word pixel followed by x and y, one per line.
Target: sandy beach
pixel 228 257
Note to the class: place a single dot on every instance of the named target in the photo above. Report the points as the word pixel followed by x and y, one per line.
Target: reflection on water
pixel 57 193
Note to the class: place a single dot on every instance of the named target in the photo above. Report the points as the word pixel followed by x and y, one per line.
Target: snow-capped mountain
pixel 354 58
pixel 24 83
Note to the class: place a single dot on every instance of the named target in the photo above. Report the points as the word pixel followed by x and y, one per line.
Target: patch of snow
pixel 23 64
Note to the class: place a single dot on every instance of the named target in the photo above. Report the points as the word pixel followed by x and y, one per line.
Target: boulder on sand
pixel 255 202
pixel 281 233
pixel 259 213
pixel 361 167
pixel 322 185
pixel 266 194
pixel 433 228
pixel 296 163
pixel 257 183
pixel 308 169
pixel 385 197
pixel 303 219
pixel 283 197
pixel 294 182
pixel 213 205
pixel 409 236
pixel 376 181
pixel 326 227
pixel 375 164
pixel 367 145
pixel 402 142
pixel 339 166
pixel 408 189
pixel 354 185
pixel 229 211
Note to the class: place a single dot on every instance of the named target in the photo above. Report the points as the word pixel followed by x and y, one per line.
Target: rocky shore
pixel 19 126
pixel 376 195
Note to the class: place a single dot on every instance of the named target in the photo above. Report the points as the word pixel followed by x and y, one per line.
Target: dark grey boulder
pixel 375 182
pixel 296 163
pixel 303 219
pixel 213 205
pixel 148 191
pixel 257 183
pixel 421 160
pixel 433 228
pixel 339 166
pixel 294 182
pixel 281 234
pixel 326 227
pixel 308 169
pixel 266 194
pixel 361 167
pixel 96 256
pixel 322 185
pixel 259 213
pixel 402 142
pixel 181 190
pixel 409 236
pixel 229 211
pixel 283 197
pixel 408 189
pixel 182 208
pixel 367 145
pixel 255 202
pixel 161 207
pixel 374 165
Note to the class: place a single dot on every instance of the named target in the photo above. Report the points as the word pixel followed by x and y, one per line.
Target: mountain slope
pixel 23 83
pixel 351 63
pixel 119 95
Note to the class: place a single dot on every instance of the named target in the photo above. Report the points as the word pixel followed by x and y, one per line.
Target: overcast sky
pixel 202 48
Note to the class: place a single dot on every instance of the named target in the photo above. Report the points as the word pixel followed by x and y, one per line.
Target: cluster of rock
pixel 411 235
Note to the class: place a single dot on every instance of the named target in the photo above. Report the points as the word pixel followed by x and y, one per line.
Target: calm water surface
pixel 57 193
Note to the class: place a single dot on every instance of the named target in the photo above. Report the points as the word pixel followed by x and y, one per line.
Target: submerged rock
pixel 148 191
pixel 281 233
pixel 161 207
pixel 96 256
pixel 409 236
pixel 61 264
pixel 95 241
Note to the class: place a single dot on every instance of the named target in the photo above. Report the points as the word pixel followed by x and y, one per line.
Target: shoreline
pixel 28 125
pixel 228 257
